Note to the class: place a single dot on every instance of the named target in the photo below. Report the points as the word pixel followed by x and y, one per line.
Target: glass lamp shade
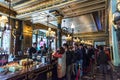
pixel 3 19
pixel 47 33
pixel 68 38
pixel 49 29
pixel 77 40
pixel 50 33
pixel 72 26
pixel 82 41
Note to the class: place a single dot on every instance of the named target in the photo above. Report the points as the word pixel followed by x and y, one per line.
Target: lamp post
pixel 50 36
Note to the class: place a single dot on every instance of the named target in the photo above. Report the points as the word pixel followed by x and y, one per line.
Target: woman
pixel 61 68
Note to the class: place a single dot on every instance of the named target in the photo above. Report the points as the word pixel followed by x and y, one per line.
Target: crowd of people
pixel 75 61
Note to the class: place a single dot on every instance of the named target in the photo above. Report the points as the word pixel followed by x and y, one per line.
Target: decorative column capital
pixel 59 19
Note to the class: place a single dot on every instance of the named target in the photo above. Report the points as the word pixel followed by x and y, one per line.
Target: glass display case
pixel 28 69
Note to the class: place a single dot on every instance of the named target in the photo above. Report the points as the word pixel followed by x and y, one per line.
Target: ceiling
pixel 76 12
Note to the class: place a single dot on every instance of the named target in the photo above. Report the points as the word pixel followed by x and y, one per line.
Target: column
pixel 17 40
pixel 36 36
pixel 59 37
pixel 56 40
pixel 116 55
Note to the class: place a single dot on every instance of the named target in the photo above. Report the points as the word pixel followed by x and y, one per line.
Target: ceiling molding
pixel 5 10
pixel 83 13
pixel 24 4
pixel 39 25
pixel 82 5
pixel 86 9
pixel 92 35
pixel 45 8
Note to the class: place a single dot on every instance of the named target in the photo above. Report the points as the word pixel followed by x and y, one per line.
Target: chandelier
pixel 87 42
pixel 50 33
pixel 68 38
pixel 3 21
pixel 82 41
pixel 77 40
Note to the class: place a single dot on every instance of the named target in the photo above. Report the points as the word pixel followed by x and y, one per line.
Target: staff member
pixel 32 50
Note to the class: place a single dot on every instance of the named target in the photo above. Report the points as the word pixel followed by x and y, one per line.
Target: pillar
pixel 17 33
pixel 59 36
pixel 116 53
pixel 56 40
pixel 36 36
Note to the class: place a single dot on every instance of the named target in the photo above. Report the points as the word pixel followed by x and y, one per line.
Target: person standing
pixel 32 50
pixel 61 67
pixel 78 53
pixel 68 61
pixel 103 62
pixel 42 52
pixel 81 53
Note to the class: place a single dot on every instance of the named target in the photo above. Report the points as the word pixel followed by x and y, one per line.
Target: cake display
pixel 26 62
pixel 14 68
pixel 1 69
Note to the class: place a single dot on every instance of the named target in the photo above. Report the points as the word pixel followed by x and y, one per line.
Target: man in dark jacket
pixel 102 61
pixel 32 50
pixel 79 55
pixel 68 61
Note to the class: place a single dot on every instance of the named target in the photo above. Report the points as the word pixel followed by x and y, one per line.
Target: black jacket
pixel 102 58
pixel 68 58
pixel 31 51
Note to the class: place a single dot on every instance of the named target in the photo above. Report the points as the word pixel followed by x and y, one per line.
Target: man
pixel 32 50
pixel 42 51
pixel 103 61
pixel 79 58
pixel 68 61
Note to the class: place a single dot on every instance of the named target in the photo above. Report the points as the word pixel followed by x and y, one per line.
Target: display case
pixel 29 69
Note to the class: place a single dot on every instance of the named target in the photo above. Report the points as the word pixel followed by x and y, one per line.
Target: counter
pixel 38 72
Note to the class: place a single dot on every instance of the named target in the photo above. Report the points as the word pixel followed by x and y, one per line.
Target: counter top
pixel 35 69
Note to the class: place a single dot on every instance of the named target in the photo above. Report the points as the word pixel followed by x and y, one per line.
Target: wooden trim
pixel 5 10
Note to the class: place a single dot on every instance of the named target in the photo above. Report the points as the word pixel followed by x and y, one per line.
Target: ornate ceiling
pixel 78 12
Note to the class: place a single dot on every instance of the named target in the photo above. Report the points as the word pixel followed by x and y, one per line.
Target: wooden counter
pixel 40 72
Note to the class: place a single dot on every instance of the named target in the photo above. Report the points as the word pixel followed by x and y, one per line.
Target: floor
pixel 96 75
